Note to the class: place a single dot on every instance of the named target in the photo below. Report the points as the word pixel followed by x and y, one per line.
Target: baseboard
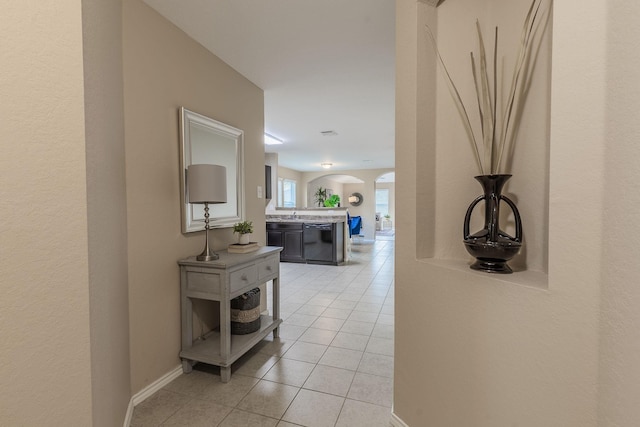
pixel 127 417
pixel 396 421
pixel 149 390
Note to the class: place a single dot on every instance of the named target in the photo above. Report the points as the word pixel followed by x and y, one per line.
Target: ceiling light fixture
pixel 326 165
pixel 272 140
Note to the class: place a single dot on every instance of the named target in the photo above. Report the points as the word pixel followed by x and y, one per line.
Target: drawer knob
pixel 243 277
pixel 268 268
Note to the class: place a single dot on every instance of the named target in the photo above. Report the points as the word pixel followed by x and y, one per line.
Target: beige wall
pixel 554 349
pixel 328 184
pixel 297 176
pixel 490 351
pixel 617 26
pixel 163 70
pixel 356 210
pixel 44 310
pixel 106 210
pixel 367 209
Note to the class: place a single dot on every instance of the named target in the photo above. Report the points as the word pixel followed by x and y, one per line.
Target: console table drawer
pixel 268 267
pixel 204 282
pixel 241 278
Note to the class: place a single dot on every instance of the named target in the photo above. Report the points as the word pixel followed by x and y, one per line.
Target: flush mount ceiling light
pixel 328 133
pixel 272 140
pixel 326 165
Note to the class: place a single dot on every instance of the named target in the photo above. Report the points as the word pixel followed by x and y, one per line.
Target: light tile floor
pixel 332 365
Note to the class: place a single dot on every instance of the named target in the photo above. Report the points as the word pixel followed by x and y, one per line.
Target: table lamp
pixel 206 184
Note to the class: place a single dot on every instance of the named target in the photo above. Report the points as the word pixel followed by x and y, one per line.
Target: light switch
pixel 259 192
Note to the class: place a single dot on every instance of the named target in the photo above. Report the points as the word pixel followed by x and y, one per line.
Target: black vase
pixel 491 246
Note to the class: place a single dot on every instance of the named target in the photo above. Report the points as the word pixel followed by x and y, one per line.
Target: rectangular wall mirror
pixel 204 140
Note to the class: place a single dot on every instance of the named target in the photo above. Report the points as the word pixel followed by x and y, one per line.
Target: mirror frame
pixel 190 223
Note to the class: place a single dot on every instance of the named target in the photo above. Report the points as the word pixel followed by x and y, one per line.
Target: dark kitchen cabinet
pixel 289 237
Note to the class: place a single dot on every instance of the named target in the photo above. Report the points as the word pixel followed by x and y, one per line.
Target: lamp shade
pixel 207 183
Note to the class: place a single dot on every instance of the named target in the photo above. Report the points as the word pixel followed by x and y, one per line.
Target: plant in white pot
pixel 243 229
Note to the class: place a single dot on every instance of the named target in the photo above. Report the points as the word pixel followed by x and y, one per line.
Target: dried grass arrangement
pixel 497 129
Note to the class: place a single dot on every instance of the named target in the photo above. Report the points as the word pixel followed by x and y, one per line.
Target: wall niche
pixel 445 166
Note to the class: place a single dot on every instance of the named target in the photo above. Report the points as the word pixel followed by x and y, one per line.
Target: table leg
pixel 225 336
pixel 225 374
pixel 187 366
pixel 275 283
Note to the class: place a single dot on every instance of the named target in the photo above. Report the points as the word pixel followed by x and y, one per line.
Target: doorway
pixel 385 206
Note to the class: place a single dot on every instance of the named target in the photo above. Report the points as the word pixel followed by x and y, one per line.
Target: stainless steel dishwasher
pixel 318 242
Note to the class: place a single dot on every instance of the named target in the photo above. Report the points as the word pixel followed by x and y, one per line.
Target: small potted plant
pixel 243 229
pixel 387 222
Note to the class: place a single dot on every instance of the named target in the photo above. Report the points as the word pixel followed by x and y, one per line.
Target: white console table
pixel 222 280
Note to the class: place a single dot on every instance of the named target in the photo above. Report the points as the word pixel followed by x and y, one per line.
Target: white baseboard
pixel 149 390
pixel 127 417
pixel 396 421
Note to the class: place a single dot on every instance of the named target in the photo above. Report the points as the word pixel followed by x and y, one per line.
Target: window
pixel 286 193
pixel 382 201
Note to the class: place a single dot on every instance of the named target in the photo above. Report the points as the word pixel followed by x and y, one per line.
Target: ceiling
pixel 323 65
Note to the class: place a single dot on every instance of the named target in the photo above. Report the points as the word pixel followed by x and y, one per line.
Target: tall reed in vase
pixel 493 138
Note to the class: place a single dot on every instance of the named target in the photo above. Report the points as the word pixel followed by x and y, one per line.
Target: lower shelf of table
pixel 208 349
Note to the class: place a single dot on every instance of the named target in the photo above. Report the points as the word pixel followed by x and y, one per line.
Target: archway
pixel 385 205
pixel 325 186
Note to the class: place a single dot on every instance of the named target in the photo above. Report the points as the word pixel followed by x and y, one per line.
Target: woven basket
pixel 245 313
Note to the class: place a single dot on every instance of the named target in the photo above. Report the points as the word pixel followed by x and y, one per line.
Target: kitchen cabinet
pixel 289 236
pixel 313 242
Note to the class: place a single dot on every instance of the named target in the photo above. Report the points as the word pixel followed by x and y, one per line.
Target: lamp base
pixel 211 256
pixel 206 254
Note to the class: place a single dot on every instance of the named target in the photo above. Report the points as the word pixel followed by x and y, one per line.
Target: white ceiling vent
pixel 328 133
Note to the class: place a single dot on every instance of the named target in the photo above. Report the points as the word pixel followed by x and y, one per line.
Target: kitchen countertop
pixel 308 219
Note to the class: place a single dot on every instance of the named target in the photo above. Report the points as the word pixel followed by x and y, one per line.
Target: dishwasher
pixel 319 243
